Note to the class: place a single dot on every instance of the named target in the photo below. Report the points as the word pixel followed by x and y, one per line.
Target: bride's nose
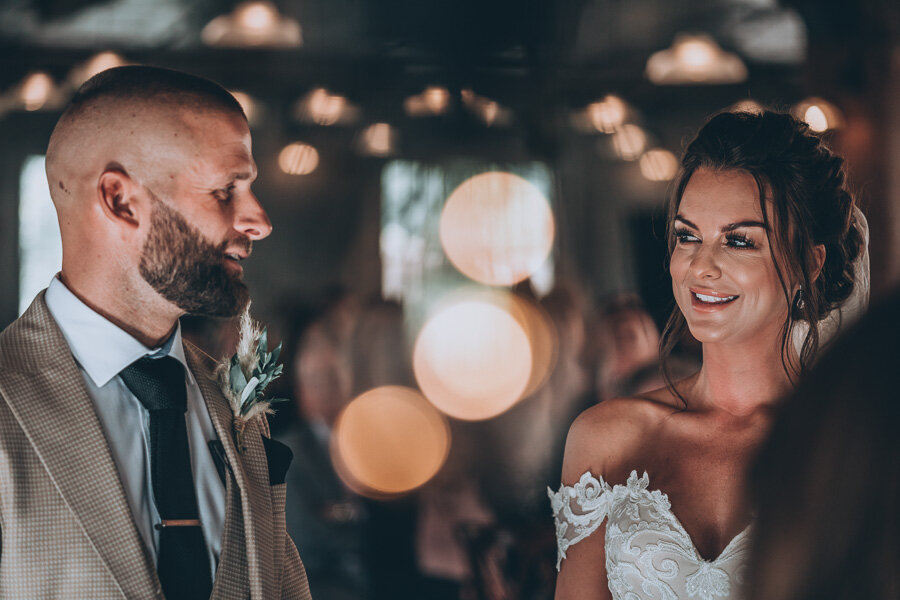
pixel 705 263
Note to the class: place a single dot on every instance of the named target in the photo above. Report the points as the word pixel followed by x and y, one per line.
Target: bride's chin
pixel 708 334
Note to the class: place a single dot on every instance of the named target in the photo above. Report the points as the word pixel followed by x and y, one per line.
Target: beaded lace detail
pixel 649 554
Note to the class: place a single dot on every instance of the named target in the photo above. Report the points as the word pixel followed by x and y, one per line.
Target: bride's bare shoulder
pixel 606 436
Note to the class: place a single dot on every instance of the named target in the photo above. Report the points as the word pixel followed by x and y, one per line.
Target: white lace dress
pixel 649 554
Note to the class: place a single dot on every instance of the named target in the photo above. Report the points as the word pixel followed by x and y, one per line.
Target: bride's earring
pixel 798 300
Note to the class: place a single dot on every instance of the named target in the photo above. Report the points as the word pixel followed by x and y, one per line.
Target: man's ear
pixel 118 196
pixel 819 258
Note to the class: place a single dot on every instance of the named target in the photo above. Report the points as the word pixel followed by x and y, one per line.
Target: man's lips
pixel 232 262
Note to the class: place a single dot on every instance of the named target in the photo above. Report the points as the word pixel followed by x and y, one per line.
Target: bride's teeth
pixel 706 298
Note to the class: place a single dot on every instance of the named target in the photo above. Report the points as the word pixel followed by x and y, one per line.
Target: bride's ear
pixel 819 258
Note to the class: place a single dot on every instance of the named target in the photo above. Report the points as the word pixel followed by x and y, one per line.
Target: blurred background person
pixel 826 483
pixel 325 515
pixel 627 340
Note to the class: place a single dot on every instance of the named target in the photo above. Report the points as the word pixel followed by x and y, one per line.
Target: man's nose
pixel 251 219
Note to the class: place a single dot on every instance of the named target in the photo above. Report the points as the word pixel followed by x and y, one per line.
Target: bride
pixel 764 239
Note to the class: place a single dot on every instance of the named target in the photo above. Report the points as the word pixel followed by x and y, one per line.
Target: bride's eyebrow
pixel 726 228
pixel 742 224
pixel 678 217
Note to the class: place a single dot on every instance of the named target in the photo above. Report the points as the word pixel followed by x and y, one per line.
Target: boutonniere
pixel 244 377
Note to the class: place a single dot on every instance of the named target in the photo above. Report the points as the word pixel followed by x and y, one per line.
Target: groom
pixel 119 476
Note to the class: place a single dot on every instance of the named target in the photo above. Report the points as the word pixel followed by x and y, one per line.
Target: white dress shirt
pixel 102 350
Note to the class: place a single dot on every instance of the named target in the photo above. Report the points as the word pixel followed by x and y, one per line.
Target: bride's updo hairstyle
pixel 809 205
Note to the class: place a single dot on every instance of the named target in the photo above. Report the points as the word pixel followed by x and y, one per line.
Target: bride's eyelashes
pixel 684 236
pixel 738 240
pixel 732 239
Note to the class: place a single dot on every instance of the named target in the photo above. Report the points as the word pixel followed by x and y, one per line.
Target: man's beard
pixel 188 270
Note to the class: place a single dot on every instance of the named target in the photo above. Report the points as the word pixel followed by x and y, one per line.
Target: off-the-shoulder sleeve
pixel 578 510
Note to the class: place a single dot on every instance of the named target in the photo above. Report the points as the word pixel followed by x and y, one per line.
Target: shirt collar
pixel 102 348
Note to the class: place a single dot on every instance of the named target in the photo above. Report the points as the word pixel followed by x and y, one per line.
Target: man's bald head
pixel 128 118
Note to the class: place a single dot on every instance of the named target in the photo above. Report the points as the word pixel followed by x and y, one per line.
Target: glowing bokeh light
pixel 542 338
pixel 497 228
pixel 298 159
pixel 629 142
pixel 436 98
pixel 473 360
pixel 486 110
pixel 389 441
pixel 96 64
pixel 325 108
pixel 659 165
pixel 36 90
pixel 748 106
pixel 248 105
pixel 695 53
pixel 695 59
pixel 378 139
pixel 608 114
pixel 259 16
pixel 820 114
pixel 816 118
pixel 256 23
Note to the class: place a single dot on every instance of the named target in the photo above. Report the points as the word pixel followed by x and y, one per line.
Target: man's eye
pixel 225 194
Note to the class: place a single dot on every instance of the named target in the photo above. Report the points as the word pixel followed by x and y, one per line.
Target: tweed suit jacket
pixel 66 529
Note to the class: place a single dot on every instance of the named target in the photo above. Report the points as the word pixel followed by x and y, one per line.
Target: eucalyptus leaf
pixel 276 353
pixel 263 343
pixel 249 390
pixel 236 378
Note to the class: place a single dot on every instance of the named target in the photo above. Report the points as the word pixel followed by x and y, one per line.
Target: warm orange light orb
pixel 436 98
pixel 473 360
pixel 248 105
pixel 388 441
pixel 324 107
pixel 36 90
pixel 497 228
pixel 819 114
pixel 378 139
pixel 259 16
pixel 298 159
pixel 608 114
pixel 659 165
pixel 542 338
pixel 96 64
pixel 629 142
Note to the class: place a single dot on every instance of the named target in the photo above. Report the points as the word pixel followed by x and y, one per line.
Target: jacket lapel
pixel 46 392
pixel 250 474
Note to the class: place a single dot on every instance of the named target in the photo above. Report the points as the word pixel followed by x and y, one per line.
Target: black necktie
pixel 182 562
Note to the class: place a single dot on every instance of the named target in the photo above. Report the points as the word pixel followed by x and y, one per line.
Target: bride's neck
pixel 739 380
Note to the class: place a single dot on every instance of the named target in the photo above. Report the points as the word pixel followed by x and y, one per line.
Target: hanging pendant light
pixel 253 24
pixel 695 59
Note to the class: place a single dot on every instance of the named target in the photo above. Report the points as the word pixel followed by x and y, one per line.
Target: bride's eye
pixel 737 240
pixel 683 236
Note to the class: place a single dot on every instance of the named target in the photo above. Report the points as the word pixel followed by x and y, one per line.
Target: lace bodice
pixel 649 554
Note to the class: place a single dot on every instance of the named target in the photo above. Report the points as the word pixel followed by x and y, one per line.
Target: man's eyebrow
pixel 241 176
pixel 726 228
